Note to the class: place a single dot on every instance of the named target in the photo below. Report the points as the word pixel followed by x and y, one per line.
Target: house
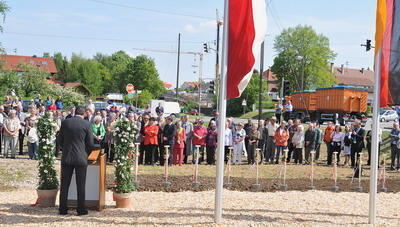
pixel 11 62
pixel 273 84
pixel 167 85
pixel 190 85
pixel 78 87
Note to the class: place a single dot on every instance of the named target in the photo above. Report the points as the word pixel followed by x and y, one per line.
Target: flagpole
pixel 219 179
pixel 375 142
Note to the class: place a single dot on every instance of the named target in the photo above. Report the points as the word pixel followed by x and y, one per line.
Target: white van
pixel 170 108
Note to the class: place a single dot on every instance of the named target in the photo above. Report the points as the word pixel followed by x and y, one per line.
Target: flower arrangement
pixel 47 174
pixel 124 136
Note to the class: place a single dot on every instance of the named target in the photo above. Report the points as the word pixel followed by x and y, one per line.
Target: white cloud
pixel 201 27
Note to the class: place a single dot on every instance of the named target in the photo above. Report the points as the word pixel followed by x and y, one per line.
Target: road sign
pixel 130 88
pixel 244 102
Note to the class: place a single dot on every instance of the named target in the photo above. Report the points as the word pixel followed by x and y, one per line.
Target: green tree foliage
pixel 3 10
pixel 9 80
pixel 143 74
pixel 88 72
pixel 301 50
pixel 144 98
pixel 68 95
pixel 104 73
pixel 32 79
pixel 250 94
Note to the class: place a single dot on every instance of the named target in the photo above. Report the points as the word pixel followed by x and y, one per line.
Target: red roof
pixel 167 85
pixel 354 77
pixel 55 82
pixel 11 62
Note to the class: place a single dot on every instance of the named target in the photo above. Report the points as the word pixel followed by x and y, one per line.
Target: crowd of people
pixel 268 141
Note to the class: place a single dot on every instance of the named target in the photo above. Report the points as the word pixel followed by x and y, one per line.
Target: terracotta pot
pixel 47 198
pixel 123 200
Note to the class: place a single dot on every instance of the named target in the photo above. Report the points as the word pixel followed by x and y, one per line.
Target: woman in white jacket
pixel 298 143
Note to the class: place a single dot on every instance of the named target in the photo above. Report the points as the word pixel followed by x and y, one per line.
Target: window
pixel 44 62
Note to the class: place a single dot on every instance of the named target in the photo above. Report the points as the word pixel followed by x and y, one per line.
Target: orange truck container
pixel 341 100
pixel 306 100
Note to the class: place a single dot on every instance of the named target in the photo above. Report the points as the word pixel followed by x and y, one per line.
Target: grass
pixel 254 114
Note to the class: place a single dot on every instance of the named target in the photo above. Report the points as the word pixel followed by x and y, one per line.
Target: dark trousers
pixel 395 155
pixel 80 177
pixel 290 152
pixel 328 152
pixel 355 153
pixel 163 153
pixel 278 118
pixel 1 138
pixel 150 157
pixel 298 155
pixel 250 154
pixel 210 155
pixel 336 147
pixel 21 137
pixel 109 150
pixel 141 153
pixel 227 154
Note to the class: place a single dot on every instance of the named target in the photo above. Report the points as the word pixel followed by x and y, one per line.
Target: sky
pixel 87 27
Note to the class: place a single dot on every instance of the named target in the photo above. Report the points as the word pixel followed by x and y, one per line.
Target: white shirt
pixel 33 136
pixel 1 118
pixel 271 129
pixel 228 137
pixel 338 136
pixel 298 139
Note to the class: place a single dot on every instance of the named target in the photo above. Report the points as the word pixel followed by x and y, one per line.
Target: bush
pixel 69 96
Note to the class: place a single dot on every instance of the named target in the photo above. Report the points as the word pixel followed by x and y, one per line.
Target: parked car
pixel 100 106
pixel 388 115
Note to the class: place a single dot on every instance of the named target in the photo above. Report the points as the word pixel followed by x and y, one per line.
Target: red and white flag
pixel 247 30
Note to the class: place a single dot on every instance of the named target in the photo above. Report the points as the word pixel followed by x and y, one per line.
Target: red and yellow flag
pixel 387 44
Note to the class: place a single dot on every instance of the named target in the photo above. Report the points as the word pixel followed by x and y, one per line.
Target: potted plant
pixel 124 136
pixel 48 183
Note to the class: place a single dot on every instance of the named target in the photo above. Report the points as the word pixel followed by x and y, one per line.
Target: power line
pixel 94 38
pixel 149 10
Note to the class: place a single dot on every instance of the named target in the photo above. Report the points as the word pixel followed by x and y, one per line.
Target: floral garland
pixel 124 136
pixel 47 173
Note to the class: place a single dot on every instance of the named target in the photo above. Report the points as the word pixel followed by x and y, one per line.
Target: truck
pixel 338 104
pixel 170 108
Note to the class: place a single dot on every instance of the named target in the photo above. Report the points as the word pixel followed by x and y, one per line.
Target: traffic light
pixel 211 89
pixel 205 46
pixel 368 45
pixel 286 88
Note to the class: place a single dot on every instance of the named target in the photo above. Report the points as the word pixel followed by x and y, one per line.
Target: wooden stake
pixel 335 187
pixel 312 187
pixel 136 161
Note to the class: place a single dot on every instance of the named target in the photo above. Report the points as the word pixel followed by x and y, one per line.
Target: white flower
pixel 45 171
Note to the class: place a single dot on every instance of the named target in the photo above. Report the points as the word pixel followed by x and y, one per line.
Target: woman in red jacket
pixel 179 145
pixel 281 140
pixel 151 141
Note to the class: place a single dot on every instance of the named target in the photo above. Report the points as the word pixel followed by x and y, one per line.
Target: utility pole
pixel 177 66
pixel 217 75
pixel 200 79
pixel 261 82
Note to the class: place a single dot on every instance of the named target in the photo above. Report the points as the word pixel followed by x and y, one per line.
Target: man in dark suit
pixel 168 135
pixel 357 142
pixel 76 140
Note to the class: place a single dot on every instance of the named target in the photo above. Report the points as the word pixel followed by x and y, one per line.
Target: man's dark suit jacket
pixel 358 139
pixel 76 140
pixel 169 132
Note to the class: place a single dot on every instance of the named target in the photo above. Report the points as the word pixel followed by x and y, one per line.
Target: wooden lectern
pixel 95 183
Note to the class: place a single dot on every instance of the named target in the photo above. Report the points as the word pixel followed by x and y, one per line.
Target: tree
pixel 3 10
pixel 144 98
pixel 303 58
pixel 9 80
pixel 88 72
pixel 33 79
pixel 143 74
pixel 250 94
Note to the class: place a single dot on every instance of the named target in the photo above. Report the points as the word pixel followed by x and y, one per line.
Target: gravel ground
pixel 196 209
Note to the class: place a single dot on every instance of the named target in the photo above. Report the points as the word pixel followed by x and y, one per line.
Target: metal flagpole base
pixel 256 187
pixel 311 187
pixel 228 185
pixel 166 184
pixel 384 190
pixel 335 188
pixel 284 187
pixel 359 189
pixel 195 184
pixel 136 183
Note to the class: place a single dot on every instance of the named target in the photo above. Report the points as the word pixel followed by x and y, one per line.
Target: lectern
pixel 95 183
